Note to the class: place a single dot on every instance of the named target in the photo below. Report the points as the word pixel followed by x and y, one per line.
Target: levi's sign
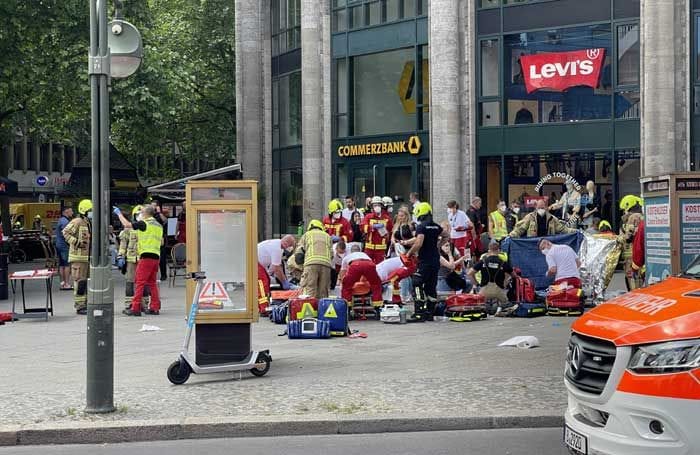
pixel 561 70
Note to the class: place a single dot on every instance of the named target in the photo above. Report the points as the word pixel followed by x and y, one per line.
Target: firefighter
pixel 127 258
pixel 335 225
pixel 631 206
pixel 150 239
pixel 355 266
pixel 425 246
pixel 77 235
pixel 377 227
pixel 317 255
pixel 388 204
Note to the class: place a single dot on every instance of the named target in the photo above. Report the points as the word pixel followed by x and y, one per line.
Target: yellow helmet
pixel 315 224
pixel 630 201
pixel 136 209
pixel 37 217
pixel 422 209
pixel 604 224
pixel 84 206
pixel 335 206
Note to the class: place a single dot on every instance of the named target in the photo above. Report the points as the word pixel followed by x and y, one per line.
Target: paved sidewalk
pixel 429 370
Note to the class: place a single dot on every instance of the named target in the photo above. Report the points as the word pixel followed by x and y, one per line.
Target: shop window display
pixel 545 105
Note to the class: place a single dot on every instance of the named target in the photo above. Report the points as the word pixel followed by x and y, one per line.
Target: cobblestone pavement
pixel 432 369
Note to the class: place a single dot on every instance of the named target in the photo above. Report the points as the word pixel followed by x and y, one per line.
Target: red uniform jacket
pixel 638 247
pixel 373 239
pixel 340 228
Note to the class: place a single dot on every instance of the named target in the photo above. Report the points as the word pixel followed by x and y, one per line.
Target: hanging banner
pixel 562 70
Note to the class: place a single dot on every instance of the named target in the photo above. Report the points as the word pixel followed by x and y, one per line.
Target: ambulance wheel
pixel 261 370
pixel 179 372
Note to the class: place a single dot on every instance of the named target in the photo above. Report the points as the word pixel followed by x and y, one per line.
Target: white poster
pixel 691 214
pixel 658 215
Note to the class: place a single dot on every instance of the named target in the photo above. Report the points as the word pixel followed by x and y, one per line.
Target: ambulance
pixel 633 372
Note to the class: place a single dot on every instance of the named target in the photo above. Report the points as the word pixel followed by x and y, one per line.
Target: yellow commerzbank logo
pixel 411 145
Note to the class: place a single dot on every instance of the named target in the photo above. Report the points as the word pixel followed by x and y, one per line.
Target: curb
pixel 207 428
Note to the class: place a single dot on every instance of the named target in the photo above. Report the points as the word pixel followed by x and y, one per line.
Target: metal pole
pixel 100 315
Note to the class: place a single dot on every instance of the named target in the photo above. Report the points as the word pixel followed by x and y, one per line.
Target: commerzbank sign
pixel 412 145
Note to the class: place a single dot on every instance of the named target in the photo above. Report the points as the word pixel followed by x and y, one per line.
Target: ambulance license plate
pixel 575 441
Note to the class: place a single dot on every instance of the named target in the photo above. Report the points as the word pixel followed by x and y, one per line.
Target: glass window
pixel 44 158
pixel 409 8
pixel 627 104
pixel 342 91
pixel 423 5
pixel 488 3
pixel 357 16
pixel 57 158
pixel 697 47
pixel 290 109
pixel 545 105
pixel 490 113
pixel 628 54
pixel 489 67
pixel 340 20
pixel 392 10
pixel 288 203
pixel 384 95
pixel 31 162
pixel 275 13
pixel 375 13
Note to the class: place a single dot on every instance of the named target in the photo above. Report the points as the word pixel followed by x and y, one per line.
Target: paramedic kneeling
pixel 562 262
pixel 494 271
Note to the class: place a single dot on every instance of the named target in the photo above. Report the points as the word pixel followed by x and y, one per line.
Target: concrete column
pixel 267 118
pixel 326 125
pixel 250 95
pixel 446 150
pixel 665 83
pixel 468 48
pixel 313 169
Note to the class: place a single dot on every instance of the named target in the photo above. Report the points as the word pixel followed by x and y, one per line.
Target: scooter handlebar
pixel 198 275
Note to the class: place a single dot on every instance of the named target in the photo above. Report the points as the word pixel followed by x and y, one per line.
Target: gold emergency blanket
pixel 599 256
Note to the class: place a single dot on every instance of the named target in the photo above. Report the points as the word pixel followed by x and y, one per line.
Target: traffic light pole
pixel 100 305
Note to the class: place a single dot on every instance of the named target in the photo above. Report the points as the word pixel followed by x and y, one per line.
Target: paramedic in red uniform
pixel 562 262
pixel 270 253
pixel 355 266
pixel 638 251
pixel 394 270
pixel 377 227
pixel 335 225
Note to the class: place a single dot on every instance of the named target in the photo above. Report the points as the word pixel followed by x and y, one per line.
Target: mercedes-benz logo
pixel 575 360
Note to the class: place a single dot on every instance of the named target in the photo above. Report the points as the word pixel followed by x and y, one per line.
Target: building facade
pixel 454 98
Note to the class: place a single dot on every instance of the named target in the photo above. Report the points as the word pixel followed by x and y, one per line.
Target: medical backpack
pixel 308 328
pixel 523 288
pixel 335 311
pixel 567 302
pixel 303 307
pixel 278 313
pixel 529 310
pixel 463 305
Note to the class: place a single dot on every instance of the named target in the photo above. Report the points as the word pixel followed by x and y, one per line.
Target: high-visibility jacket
pixel 151 239
pixel 128 244
pixel 339 228
pixel 77 235
pixel 317 247
pixel 374 239
pixel 500 228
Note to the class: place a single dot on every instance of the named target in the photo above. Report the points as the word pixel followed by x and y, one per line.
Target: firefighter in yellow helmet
pixel 127 258
pixel 78 234
pixel 316 248
pixel 37 225
pixel 631 207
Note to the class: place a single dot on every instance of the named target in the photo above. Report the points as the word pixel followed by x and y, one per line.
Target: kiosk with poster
pixel 672 223
pixel 221 294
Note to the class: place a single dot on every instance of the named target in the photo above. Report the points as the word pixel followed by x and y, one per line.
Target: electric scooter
pixel 257 362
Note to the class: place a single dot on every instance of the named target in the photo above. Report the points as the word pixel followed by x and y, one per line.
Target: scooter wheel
pixel 262 370
pixel 179 372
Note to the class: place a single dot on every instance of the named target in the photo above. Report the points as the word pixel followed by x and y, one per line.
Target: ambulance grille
pixel 589 362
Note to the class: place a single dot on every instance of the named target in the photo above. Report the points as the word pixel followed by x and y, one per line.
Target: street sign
pixel 42 180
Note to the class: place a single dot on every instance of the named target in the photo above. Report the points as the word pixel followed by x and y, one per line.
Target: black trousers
pixel 425 282
pixel 163 263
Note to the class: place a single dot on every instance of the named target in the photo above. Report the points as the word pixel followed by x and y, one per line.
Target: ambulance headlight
pixel 671 357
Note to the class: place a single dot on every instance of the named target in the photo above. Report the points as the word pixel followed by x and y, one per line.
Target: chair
pixel 178 256
pixel 49 253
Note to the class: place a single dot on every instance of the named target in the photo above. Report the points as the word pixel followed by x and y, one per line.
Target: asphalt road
pixel 544 441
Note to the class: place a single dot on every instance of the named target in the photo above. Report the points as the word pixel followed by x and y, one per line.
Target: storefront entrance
pixel 382 180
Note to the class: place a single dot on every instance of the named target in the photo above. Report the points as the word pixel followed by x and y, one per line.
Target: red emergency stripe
pixel 673 385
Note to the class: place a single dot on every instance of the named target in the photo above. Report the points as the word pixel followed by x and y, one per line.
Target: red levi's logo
pixel 562 70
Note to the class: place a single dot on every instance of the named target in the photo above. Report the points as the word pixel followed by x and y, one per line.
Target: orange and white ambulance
pixel 633 372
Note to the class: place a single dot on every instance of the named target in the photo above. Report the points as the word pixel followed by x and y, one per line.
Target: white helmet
pixel 377 200
pixel 387 201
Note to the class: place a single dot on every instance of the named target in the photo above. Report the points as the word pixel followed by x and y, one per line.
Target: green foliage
pixel 184 92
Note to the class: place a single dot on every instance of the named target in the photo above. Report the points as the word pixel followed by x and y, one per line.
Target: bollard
pixel 4 277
